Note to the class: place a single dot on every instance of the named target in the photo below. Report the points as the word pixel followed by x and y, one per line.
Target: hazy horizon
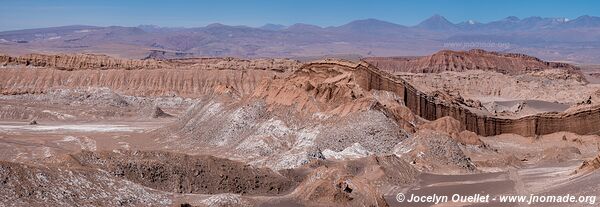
pixel 15 15
pixel 287 25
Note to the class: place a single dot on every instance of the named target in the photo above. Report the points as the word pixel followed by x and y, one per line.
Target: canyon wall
pixel 79 61
pixel 431 107
pixel 195 78
pixel 476 59
pixel 158 82
pixel 103 62
pixel 38 73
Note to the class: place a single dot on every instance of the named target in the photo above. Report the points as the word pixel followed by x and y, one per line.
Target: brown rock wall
pixel 476 59
pixel 198 77
pixel 158 82
pixel 79 61
pixel 432 107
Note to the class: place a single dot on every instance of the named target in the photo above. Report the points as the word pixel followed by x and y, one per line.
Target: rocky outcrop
pixel 183 77
pixel 313 89
pixel 79 62
pixel 454 129
pixel 33 185
pixel 434 106
pixel 349 183
pixel 436 152
pixel 555 86
pixel 229 63
pixel 476 59
pixel 95 62
pixel 336 86
pixel 589 165
pixel 154 112
pixel 157 82
pixel 181 173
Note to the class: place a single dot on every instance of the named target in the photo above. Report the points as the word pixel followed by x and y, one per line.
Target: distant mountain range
pixel 556 39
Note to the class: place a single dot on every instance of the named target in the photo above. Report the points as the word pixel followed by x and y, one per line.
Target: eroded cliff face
pixel 554 86
pixel 279 64
pixel 314 89
pixel 186 77
pixel 79 61
pixel 158 82
pixel 447 60
pixel 434 106
pixel 330 86
pixel 94 61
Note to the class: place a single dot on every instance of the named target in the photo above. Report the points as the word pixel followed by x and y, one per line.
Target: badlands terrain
pixel 94 130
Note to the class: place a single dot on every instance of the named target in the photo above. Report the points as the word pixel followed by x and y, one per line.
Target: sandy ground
pixel 537 179
pixel 25 143
pixel 508 165
pixel 22 142
pixel 83 127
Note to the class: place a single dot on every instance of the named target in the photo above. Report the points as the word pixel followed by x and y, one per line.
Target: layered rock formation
pixel 476 59
pixel 337 85
pixel 279 65
pixel 94 61
pixel 434 106
pixel 158 82
pixel 493 89
pixel 185 77
pixel 79 61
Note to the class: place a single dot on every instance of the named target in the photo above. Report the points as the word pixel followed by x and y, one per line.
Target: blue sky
pixel 22 14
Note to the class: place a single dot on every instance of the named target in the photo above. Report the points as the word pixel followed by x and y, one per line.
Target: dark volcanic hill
pixel 556 39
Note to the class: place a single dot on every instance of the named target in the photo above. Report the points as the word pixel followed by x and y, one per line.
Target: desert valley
pixel 301 115
pixel 95 130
